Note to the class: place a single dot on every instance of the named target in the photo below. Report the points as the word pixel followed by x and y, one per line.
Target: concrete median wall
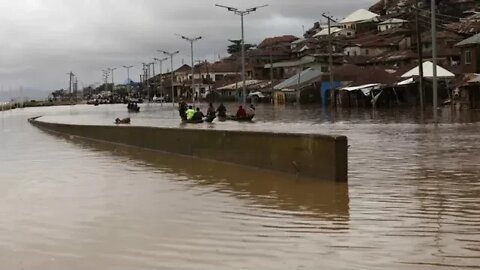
pixel 318 156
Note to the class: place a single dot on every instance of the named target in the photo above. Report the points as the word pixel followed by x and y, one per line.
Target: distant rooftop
pixel 393 20
pixel 469 41
pixel 361 15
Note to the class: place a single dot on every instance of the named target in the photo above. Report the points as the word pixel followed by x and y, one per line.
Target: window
pixel 468 57
pixel 366 52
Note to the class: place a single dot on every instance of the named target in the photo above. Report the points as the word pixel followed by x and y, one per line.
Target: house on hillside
pixel 335 32
pixel 391 23
pixel 288 68
pixel 270 50
pixel 445 39
pixel 280 41
pixel 375 45
pixel 470 54
pixel 466 93
pixel 361 21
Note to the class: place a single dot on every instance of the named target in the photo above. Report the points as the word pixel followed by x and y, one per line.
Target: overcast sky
pixel 42 40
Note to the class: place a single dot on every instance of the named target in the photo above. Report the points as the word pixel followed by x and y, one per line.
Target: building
pixel 445 39
pixel 361 21
pixel 470 54
pixel 377 44
pixel 390 24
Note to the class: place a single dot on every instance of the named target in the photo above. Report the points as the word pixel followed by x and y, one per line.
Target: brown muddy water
pixel 412 201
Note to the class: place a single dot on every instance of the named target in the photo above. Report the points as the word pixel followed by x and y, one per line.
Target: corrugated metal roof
pixel 470 41
pixel 324 32
pixel 393 20
pixel 248 83
pixel 360 15
pixel 305 76
pixel 428 71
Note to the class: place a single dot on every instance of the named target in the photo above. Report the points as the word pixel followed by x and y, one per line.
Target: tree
pixel 236 46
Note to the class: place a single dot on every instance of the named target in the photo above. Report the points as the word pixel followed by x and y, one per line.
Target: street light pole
pixel 242 13
pixel 128 78
pixel 192 40
pixel 160 64
pixel 333 101
pixel 145 79
pixel 434 57
pixel 171 54
pixel 153 76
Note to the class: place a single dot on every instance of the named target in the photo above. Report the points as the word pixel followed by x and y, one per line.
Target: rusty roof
pixel 271 41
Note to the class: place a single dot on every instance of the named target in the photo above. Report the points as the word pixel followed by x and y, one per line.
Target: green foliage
pixel 236 46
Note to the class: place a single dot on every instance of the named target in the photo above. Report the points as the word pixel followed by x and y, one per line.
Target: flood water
pixel 412 201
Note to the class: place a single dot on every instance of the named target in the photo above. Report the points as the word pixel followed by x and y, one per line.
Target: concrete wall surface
pixel 311 155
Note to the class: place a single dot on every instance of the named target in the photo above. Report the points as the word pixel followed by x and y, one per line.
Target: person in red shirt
pixel 241 113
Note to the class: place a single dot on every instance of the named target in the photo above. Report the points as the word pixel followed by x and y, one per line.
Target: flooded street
pixel 412 201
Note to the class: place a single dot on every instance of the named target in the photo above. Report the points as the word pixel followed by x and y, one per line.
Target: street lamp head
pixel 168 53
pixel 255 8
pixel 228 8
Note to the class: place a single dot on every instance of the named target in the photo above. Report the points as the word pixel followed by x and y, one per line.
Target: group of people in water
pixel 190 114
pixel 132 106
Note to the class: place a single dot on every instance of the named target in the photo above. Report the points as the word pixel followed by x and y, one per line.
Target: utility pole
pixel 160 63
pixel 192 40
pixel 128 78
pixel 145 79
pixel 106 74
pixel 113 81
pixel 70 76
pixel 171 54
pixel 420 53
pixel 271 69
pixel 299 80
pixel 333 102
pixel 434 57
pixel 242 13
pixel 153 76
pixel 75 88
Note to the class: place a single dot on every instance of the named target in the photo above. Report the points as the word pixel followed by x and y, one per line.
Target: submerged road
pixel 411 202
